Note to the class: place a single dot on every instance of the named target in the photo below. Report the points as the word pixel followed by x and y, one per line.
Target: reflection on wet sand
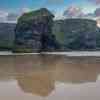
pixel 41 84
pixel 38 74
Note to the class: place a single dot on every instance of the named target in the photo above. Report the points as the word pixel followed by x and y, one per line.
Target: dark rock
pixel 7 36
pixel 77 34
pixel 33 32
pixel 98 39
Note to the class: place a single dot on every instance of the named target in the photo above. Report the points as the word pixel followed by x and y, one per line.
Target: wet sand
pixel 49 77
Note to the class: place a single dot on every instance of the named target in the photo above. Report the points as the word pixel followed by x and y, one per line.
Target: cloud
pixel 59 15
pixel 97 2
pixel 12 17
pixel 89 16
pixel 7 16
pixel 3 16
pixel 73 11
pixel 24 10
pixel 77 12
pixel 98 22
pixel 97 12
pixel 94 15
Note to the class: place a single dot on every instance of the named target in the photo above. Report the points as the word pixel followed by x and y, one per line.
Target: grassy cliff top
pixel 76 20
pixel 36 14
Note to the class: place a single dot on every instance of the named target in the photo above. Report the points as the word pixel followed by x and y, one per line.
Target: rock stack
pixel 33 32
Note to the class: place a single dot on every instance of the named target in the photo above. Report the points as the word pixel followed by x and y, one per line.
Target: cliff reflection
pixel 41 83
pixel 37 74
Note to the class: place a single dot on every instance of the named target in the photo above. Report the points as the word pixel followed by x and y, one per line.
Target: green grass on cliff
pixel 35 14
pixel 60 37
pixel 6 46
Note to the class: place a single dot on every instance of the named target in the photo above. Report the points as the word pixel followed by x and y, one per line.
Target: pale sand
pixel 69 54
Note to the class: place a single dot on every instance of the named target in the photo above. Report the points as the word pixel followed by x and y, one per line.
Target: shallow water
pixel 49 77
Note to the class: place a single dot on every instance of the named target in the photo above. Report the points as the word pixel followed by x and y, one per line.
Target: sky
pixel 10 9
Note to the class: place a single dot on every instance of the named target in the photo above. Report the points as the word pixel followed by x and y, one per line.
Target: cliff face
pixel 33 32
pixel 37 31
pixel 98 39
pixel 77 34
pixel 7 36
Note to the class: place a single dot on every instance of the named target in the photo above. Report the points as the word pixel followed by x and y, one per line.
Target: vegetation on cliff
pixel 36 31
pixel 77 34
pixel 33 32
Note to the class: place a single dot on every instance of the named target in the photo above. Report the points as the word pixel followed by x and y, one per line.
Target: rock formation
pixel 77 34
pixel 36 31
pixel 33 32
pixel 7 36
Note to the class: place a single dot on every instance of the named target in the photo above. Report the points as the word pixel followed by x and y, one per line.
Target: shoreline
pixel 69 54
